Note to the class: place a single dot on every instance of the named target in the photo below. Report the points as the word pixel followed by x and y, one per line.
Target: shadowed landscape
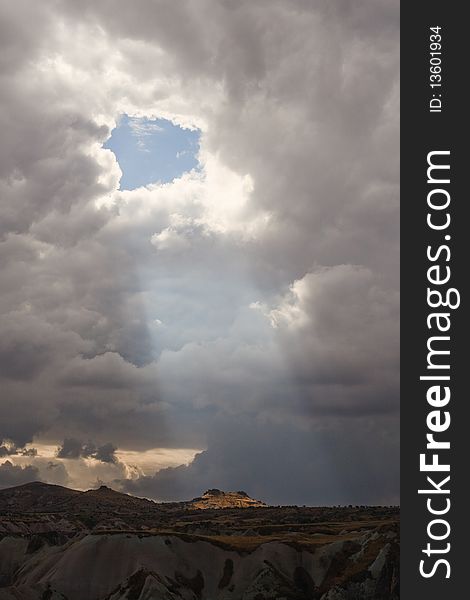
pixel 62 544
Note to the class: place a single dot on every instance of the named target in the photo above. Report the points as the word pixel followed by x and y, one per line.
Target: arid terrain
pixel 63 544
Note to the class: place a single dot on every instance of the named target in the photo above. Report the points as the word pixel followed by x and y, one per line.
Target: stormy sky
pixel 235 326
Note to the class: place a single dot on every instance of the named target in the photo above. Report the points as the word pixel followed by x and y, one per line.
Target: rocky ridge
pixel 215 498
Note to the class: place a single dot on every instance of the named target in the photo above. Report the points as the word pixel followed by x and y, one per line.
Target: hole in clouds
pixel 151 151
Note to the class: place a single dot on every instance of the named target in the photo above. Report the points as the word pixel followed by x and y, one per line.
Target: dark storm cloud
pixel 8 448
pixel 74 449
pixel 263 289
pixel 11 475
pixel 105 453
pixel 70 448
pixel 327 464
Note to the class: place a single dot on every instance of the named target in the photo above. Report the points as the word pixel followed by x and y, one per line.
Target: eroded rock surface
pixel 102 545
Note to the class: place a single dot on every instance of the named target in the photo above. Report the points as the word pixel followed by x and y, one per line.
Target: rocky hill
pixel 215 498
pixel 44 497
pixel 35 496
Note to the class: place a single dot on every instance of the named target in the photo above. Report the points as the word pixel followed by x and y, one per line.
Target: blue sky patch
pixel 151 151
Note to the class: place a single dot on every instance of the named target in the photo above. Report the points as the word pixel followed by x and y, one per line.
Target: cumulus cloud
pixel 9 448
pixel 261 289
pixel 339 325
pixel 73 448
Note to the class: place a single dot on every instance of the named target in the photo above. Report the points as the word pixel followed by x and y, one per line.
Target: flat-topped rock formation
pixel 215 498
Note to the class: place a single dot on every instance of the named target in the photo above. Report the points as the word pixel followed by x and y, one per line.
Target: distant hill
pixel 38 497
pixel 35 495
pixel 44 497
pixel 215 498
